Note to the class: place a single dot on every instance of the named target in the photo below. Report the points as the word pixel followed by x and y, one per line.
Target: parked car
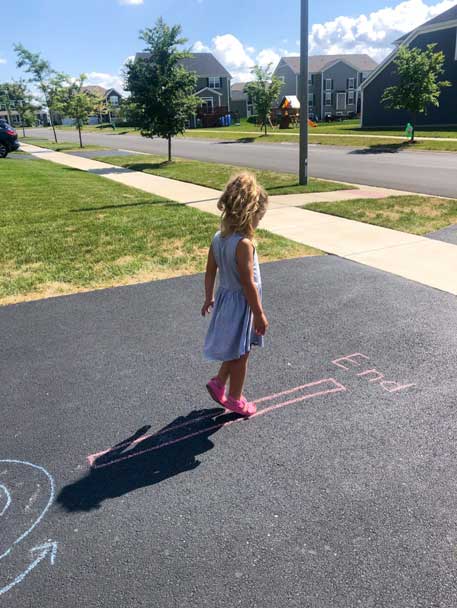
pixel 8 139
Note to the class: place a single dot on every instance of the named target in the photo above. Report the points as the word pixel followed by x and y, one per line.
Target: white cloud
pixel 105 80
pixel 237 57
pixel 2 60
pixel 267 56
pixel 131 2
pixel 372 33
pixel 232 53
pixel 199 47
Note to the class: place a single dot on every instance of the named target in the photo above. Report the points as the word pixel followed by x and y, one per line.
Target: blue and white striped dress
pixel 231 333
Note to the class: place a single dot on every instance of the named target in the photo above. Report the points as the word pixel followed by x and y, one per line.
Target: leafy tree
pixel 15 97
pixel 79 104
pixel 48 81
pixel 129 114
pixel 162 90
pixel 263 91
pixel 419 87
pixel 100 107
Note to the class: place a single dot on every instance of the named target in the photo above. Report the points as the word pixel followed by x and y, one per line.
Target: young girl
pixel 238 320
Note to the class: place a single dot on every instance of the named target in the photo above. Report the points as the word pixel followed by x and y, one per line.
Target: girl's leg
pixel 224 372
pixel 238 370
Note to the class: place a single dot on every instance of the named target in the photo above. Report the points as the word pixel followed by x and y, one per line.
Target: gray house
pixel 240 102
pixel 334 82
pixel 441 30
pixel 213 84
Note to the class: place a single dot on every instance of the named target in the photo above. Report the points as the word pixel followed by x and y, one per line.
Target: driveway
pixel 426 172
pixel 340 493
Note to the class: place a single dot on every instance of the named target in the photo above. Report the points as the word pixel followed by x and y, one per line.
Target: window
pixel 328 84
pixel 310 79
pixel 328 99
pixel 114 100
pixel 214 82
pixel 351 97
pixel 351 83
pixel 207 104
pixel 310 100
pixel 456 44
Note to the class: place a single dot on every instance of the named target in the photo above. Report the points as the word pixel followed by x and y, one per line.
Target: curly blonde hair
pixel 241 202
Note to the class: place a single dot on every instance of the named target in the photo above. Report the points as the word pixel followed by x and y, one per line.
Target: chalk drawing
pixel 387 385
pixel 370 372
pixel 311 390
pixel 349 359
pixel 48 548
pixel 4 489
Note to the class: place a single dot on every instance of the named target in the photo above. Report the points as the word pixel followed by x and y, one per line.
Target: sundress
pixel 231 332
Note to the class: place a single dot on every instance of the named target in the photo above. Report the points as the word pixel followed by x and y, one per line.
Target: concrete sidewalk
pixel 427 261
pixel 180 192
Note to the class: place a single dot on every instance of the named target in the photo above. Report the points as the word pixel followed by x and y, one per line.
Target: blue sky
pixel 96 36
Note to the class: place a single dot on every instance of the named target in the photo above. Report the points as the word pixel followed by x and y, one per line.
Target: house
pixel 333 80
pixel 213 81
pixel 442 31
pixel 112 98
pixel 14 117
pixel 241 104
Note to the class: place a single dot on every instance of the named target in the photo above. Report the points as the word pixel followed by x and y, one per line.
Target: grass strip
pixel 216 175
pixel 64 231
pixel 414 214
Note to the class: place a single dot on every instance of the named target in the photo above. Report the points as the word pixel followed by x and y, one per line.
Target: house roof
pixel 238 87
pixel 237 91
pixel 317 63
pixel 203 64
pixel 449 15
pixel 113 90
pixel 95 89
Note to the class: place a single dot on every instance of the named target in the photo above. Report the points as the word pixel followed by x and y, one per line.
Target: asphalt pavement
pixel 341 493
pixel 425 172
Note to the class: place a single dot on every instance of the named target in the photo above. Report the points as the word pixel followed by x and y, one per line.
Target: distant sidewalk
pixel 357 135
pixel 427 261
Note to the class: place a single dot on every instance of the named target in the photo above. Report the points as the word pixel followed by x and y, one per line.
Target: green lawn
pixel 413 214
pixel 64 231
pixel 369 145
pixel 346 127
pixel 215 175
pixel 59 147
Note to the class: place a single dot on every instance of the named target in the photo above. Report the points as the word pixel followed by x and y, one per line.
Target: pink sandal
pixel 241 406
pixel 217 391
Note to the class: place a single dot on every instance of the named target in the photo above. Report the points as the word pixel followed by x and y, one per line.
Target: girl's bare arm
pixel 245 262
pixel 210 279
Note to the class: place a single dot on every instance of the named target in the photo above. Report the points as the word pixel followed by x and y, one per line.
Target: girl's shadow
pixel 129 465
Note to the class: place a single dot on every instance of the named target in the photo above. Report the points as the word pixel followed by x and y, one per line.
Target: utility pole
pixel 303 93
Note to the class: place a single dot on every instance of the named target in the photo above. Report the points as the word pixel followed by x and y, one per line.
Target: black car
pixel 8 139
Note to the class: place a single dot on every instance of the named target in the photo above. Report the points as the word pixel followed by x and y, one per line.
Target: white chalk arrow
pixel 48 549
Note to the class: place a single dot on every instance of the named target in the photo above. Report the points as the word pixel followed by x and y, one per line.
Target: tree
pixel 48 81
pixel 418 87
pixel 263 91
pixel 162 90
pixel 15 97
pixel 100 108
pixel 78 104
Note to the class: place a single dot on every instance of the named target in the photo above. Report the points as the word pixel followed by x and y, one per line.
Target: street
pixel 424 172
pixel 123 485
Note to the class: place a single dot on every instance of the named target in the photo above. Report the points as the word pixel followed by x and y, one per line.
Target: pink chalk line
pixel 337 388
